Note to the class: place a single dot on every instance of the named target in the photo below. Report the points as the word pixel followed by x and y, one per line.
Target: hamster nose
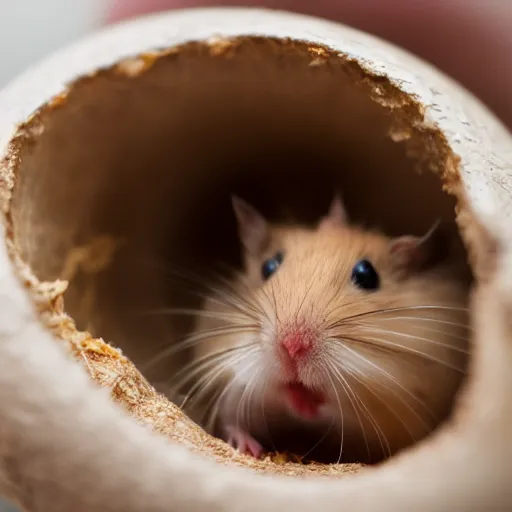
pixel 298 344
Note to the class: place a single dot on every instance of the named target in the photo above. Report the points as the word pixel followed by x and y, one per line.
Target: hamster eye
pixel 365 276
pixel 271 265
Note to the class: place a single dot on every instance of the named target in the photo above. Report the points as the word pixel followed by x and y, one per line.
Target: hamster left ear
pixel 413 254
pixel 337 215
pixel 253 228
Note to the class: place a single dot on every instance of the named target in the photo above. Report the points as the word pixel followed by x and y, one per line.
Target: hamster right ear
pixel 412 253
pixel 337 215
pixel 253 228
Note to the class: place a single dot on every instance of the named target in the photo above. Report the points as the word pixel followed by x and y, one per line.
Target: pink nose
pixel 297 344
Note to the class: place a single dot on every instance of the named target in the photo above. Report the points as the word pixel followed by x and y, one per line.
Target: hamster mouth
pixel 304 401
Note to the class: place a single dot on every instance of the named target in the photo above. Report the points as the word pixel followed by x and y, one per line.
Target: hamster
pixel 335 336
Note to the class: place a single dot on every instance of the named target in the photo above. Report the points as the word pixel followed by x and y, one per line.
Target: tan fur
pixel 406 395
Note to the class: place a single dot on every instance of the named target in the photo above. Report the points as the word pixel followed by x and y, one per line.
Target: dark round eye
pixel 271 265
pixel 365 276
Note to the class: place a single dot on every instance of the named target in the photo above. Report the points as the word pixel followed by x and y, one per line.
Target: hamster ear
pixel 253 228
pixel 337 215
pixel 412 254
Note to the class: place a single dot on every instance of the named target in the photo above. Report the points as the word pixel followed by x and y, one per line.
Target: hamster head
pixel 354 327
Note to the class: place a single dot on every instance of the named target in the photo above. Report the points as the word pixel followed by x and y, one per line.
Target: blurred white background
pixel 30 30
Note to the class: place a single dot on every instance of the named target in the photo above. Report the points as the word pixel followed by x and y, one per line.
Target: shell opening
pixel 127 177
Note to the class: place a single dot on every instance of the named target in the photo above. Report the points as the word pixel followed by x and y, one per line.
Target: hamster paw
pixel 243 442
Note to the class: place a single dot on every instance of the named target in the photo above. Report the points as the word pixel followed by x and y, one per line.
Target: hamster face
pixel 354 329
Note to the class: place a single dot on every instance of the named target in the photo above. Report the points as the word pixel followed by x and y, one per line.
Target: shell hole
pixel 137 165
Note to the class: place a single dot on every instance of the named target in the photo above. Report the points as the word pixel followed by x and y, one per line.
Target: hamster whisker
pixel 330 312
pixel 353 401
pixel 264 414
pixel 383 439
pixel 244 403
pixel 236 302
pixel 324 435
pixel 215 361
pixel 240 278
pixel 210 377
pixel 404 349
pixel 202 385
pixel 427 425
pixel 191 370
pixel 387 405
pixel 381 436
pixel 243 411
pixel 276 309
pixel 396 383
pixel 342 337
pixel 195 339
pixel 361 382
pixel 417 321
pixel 197 366
pixel 221 287
pixel 392 310
pixel 252 306
pixel 220 315
pixel 213 408
pixel 306 293
pixel 341 416
pixel 338 307
pixel 424 319
pixel 271 302
pixel 378 430
pixel 217 299
pixel 372 328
